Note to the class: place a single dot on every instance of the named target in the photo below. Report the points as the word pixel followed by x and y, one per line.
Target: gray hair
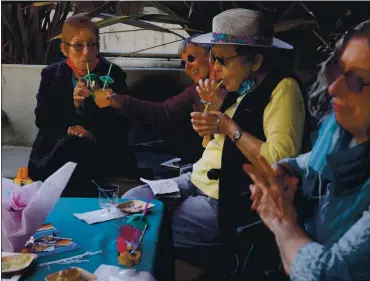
pixel 187 41
pixel 319 100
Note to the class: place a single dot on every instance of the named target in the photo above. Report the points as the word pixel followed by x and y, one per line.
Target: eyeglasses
pixel 190 58
pixel 334 70
pixel 80 46
pixel 213 59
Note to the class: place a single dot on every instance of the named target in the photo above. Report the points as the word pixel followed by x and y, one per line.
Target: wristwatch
pixel 237 135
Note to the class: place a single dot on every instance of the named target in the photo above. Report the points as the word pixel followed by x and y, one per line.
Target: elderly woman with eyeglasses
pixel 71 125
pixel 174 111
pixel 330 240
pixel 262 112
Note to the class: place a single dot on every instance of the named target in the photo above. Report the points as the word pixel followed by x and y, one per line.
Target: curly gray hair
pixel 319 100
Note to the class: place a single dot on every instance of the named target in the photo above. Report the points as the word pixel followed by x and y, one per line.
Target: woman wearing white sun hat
pixel 263 113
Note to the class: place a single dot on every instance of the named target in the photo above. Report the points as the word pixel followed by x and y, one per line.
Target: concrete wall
pixel 133 41
pixel 19 88
pixel 122 38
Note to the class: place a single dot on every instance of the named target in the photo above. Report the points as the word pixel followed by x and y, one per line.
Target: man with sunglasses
pixel 174 111
pixel 71 126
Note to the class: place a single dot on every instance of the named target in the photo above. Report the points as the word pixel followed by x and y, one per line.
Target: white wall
pixel 19 84
pixel 132 41
pixel 19 88
pixel 127 42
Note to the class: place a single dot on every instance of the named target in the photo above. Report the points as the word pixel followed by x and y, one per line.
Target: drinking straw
pixel 110 67
pixel 94 182
pixel 139 242
pixel 218 86
pixel 147 204
pixel 207 139
pixel 88 71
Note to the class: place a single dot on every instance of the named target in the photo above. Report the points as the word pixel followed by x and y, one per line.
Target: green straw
pixel 218 86
pixel 88 71
pixel 110 67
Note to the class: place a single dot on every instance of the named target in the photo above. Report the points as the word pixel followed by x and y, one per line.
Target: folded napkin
pixel 164 188
pixel 25 208
pixel 100 215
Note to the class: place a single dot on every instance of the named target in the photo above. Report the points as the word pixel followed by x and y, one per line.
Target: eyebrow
pixel 360 69
pixel 357 69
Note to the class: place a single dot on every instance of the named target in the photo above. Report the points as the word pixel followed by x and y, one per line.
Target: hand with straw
pixel 212 96
pixel 80 92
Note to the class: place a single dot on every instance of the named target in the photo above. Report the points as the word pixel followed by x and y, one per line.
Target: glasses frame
pixel 213 58
pixel 338 72
pixel 86 45
pixel 194 58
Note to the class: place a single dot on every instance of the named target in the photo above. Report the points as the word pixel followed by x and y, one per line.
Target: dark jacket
pixel 234 202
pixel 174 113
pixel 55 113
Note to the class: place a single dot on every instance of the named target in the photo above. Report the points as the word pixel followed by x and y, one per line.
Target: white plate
pixel 87 275
pixel 14 262
pixel 133 206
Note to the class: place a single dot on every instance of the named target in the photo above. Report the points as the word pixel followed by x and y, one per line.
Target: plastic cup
pixel 108 197
pixel 101 97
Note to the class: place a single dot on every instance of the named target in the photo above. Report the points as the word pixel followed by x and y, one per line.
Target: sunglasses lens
pixel 213 59
pixel 354 82
pixel 191 58
pixel 183 63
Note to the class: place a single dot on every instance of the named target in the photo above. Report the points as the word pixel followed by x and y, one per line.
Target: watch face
pixel 237 136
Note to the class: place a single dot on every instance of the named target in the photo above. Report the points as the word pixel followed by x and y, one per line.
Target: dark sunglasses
pixel 190 58
pixel 80 46
pixel 213 59
pixel 334 70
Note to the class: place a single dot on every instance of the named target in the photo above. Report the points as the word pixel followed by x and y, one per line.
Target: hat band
pixel 247 40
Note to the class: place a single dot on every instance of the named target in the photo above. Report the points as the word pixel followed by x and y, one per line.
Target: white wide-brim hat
pixel 242 27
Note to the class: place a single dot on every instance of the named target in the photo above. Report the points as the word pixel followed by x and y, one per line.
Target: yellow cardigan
pixel 283 124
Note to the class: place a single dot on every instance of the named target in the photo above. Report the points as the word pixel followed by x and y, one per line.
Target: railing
pixel 149 56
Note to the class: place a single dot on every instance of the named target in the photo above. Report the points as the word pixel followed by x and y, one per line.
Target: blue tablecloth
pixel 95 237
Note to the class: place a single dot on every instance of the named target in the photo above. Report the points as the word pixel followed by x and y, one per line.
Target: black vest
pixel 234 209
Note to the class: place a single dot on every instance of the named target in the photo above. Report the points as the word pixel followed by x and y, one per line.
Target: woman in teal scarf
pixel 334 241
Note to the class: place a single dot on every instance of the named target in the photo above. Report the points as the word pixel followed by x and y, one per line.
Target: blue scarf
pixel 339 210
pixel 332 138
pixel 246 86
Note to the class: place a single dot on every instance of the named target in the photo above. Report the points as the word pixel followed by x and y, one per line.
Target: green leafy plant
pixel 32 27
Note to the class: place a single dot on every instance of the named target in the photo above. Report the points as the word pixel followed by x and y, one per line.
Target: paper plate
pixel 86 276
pixel 133 206
pixel 17 262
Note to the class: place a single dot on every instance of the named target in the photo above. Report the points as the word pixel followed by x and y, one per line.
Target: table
pixel 95 237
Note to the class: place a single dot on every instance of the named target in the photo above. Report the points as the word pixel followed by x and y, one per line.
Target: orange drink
pixel 101 97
